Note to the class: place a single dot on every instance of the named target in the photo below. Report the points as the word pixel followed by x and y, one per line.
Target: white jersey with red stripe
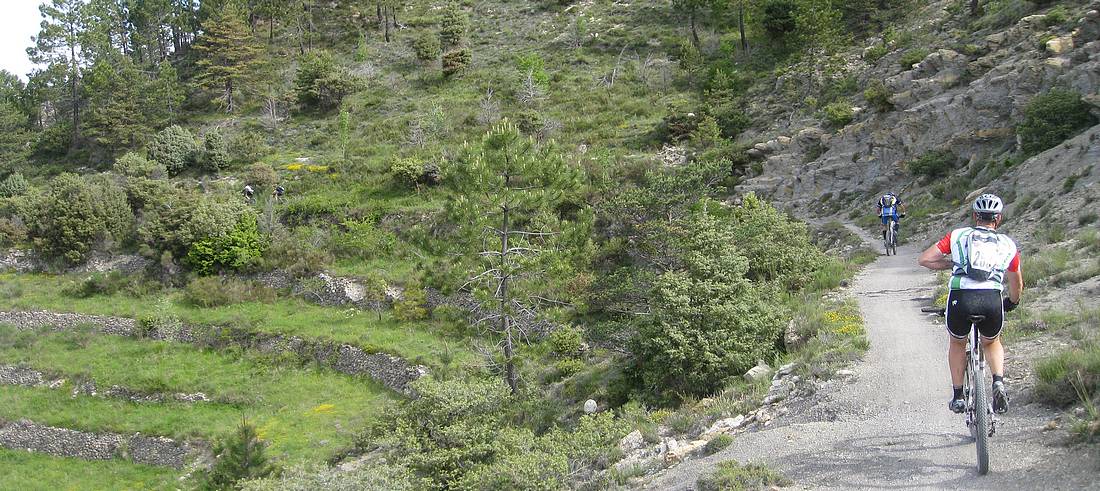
pixel 956 243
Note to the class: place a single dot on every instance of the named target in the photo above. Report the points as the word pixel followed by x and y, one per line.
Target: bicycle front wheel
pixel 981 420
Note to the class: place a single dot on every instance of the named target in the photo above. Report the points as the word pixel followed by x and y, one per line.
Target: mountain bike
pixel 980 418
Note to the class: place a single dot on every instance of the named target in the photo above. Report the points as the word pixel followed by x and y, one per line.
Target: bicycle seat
pixel 976 319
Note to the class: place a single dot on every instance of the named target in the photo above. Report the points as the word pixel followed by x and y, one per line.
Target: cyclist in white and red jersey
pixel 982 263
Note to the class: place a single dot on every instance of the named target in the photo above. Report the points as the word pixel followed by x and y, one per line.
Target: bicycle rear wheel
pixel 980 430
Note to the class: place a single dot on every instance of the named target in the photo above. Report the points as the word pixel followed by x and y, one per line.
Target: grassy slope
pixel 416 341
pixel 613 121
pixel 33 472
pixel 304 414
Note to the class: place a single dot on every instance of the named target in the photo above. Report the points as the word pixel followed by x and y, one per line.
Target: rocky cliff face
pixel 967 103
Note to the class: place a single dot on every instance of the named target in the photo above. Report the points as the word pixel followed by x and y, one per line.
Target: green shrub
pixel 215 151
pixel 174 148
pixel 878 96
pixel 107 284
pixel 758 230
pixel 717 444
pixel 875 53
pixel 533 64
pixel 413 305
pixel 213 291
pixel 320 82
pixel 1057 374
pixel 569 366
pixel 13 185
pixel 1051 118
pixel 426 46
pixel 1051 233
pixel 566 342
pixel 453 26
pixel 912 57
pixel 1087 218
pixel 232 250
pixel 707 134
pixel 1089 239
pixel 300 254
pixel 406 171
pixel 707 321
pixel 74 215
pixel 933 164
pixel 732 476
pixel 362 239
pixel 838 114
pixel 248 147
pixel 161 320
pixel 779 18
pixel 237 457
pixel 133 164
pixel 1045 265
pixel 455 61
pixel 262 177
pixel 12 232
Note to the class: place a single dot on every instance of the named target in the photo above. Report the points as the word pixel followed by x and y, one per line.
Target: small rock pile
pixel 650 457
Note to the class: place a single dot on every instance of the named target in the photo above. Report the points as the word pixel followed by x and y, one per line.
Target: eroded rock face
pixel 966 103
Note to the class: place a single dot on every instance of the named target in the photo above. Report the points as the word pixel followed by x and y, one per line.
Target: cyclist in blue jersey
pixel 889 208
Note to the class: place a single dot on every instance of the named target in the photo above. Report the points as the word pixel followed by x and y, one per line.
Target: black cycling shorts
pixel 961 304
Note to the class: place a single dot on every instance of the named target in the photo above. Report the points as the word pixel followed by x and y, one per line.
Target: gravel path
pixel 889 427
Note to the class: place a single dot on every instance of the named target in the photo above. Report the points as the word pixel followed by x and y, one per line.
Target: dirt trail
pixel 889 427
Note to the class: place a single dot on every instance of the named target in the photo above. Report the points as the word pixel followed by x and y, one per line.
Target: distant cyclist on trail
pixel 982 262
pixel 249 192
pixel 889 208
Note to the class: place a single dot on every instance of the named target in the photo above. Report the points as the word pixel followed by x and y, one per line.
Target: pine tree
pixel 507 184
pixel 453 27
pixel 114 117
pixel 59 46
pixel 238 457
pixel 228 54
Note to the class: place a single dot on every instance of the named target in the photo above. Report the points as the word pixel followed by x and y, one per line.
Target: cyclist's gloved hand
pixel 901 215
pixel 1009 305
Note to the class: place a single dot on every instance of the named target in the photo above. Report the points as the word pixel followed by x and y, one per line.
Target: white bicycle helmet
pixel 988 203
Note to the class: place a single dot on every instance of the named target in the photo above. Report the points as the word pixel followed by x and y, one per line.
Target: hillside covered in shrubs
pixel 589 165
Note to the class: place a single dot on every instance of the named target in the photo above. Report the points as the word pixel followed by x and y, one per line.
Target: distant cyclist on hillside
pixel 889 208
pixel 982 262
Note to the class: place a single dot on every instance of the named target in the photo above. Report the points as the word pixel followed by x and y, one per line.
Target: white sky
pixel 18 22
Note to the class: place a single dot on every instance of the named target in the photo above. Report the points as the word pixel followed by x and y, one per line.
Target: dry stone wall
pixel 391 371
pixel 29 377
pixel 63 442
